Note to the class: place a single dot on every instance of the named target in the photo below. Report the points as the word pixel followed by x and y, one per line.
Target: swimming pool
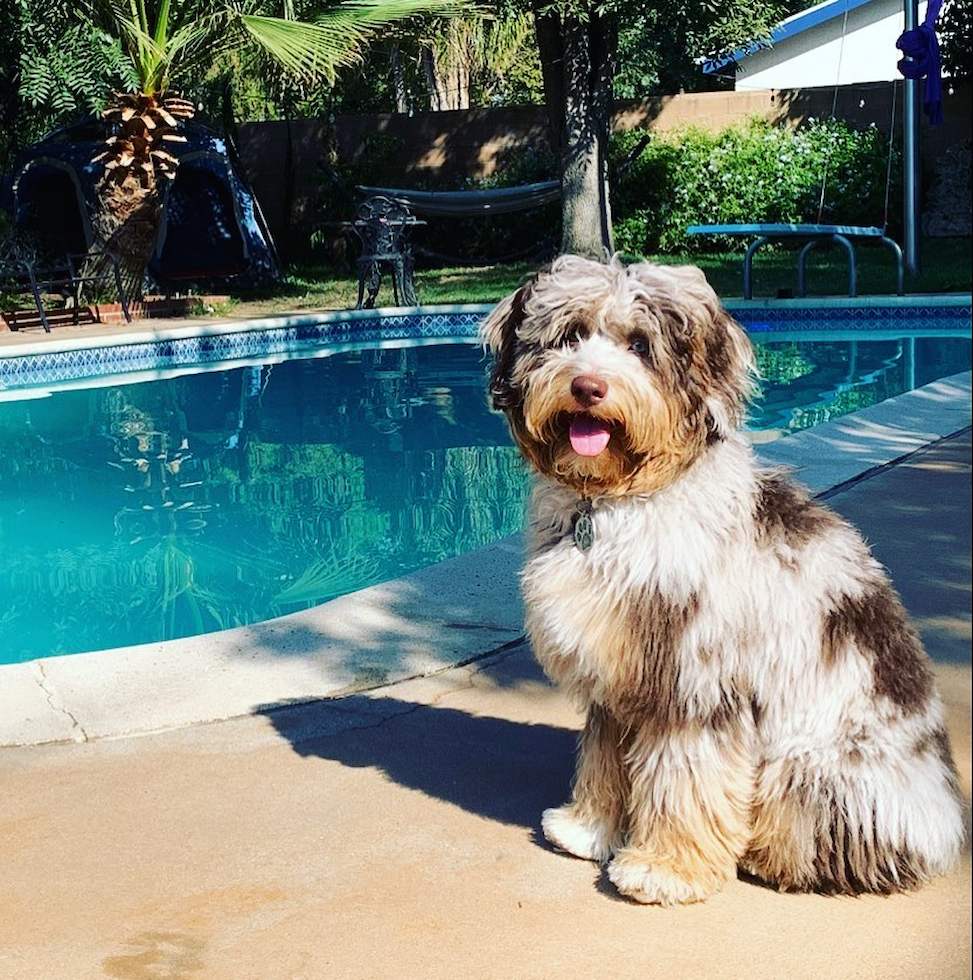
pixel 179 497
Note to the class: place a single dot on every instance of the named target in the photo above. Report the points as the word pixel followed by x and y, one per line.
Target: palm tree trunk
pixel 126 224
pixel 131 192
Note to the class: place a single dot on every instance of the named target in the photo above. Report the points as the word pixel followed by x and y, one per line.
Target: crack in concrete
pixel 37 669
pixel 357 720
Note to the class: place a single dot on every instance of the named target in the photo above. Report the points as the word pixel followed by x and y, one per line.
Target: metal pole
pixel 911 164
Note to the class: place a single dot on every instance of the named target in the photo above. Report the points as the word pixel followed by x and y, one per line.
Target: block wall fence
pixel 441 149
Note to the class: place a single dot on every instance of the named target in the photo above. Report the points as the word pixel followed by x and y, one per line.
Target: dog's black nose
pixel 588 390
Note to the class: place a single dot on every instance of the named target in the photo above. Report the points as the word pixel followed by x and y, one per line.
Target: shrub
pixel 751 173
pixel 336 195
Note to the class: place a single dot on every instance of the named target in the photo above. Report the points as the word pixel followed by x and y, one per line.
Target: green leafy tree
pixel 485 57
pixel 658 52
pixel 579 48
pixel 52 67
pixel 465 60
pixel 956 38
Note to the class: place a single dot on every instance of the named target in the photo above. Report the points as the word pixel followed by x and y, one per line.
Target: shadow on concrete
pixel 438 616
pixel 916 518
pixel 494 768
pixel 915 515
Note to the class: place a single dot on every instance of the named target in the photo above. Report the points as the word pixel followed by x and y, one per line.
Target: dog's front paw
pixel 590 839
pixel 652 883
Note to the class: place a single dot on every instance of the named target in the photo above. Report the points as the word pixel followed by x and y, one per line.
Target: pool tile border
pixel 35 365
pixel 109 355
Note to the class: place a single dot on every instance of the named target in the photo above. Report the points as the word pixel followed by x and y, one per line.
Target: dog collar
pixel 584 528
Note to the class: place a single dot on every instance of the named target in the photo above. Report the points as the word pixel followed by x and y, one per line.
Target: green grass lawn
pixel 945 268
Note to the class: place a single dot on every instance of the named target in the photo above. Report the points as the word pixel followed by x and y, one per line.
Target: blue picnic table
pixel 813 235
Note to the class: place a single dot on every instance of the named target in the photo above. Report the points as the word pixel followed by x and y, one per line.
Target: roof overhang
pixel 794 25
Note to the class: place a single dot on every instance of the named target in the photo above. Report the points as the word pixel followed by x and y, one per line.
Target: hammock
pixel 501 200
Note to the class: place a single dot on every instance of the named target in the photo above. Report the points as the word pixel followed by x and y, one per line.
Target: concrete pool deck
pixel 393 834
pixel 230 823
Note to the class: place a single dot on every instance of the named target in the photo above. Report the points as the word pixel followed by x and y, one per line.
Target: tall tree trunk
pixel 448 71
pixel 435 83
pixel 459 64
pixel 578 56
pixel 398 79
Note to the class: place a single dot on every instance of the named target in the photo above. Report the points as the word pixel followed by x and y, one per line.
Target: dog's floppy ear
pixel 729 371
pixel 498 331
pixel 733 373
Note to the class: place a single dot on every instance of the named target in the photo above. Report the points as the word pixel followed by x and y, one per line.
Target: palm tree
pixel 479 49
pixel 171 41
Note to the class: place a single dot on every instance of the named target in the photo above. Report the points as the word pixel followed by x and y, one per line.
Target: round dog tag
pixel 584 529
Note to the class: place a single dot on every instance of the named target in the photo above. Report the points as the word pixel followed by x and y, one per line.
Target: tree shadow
pixel 915 516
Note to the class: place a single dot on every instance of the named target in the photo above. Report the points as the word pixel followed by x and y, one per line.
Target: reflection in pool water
pixel 810 381
pixel 134 513
pixel 176 507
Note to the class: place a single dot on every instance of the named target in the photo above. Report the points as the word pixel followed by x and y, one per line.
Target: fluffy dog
pixel 755 696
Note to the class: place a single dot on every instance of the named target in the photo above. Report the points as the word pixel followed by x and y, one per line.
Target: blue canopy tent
pixel 211 229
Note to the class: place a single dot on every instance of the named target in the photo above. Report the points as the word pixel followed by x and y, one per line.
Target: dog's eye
pixel 639 346
pixel 574 333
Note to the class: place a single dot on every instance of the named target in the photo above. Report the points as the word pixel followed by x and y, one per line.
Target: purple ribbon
pixel 921 50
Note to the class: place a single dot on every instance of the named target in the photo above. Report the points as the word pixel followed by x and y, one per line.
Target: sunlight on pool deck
pixel 393 832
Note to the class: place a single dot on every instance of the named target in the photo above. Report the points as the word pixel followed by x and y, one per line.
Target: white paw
pixel 652 884
pixel 589 839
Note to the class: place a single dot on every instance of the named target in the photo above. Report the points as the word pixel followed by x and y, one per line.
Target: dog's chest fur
pixel 649 615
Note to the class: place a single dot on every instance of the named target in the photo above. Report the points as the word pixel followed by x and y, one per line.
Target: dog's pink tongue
pixel 588 435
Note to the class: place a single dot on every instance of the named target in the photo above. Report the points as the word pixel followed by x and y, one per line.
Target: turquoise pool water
pixel 138 512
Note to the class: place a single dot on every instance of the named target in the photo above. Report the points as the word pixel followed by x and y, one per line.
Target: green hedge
pixel 751 173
